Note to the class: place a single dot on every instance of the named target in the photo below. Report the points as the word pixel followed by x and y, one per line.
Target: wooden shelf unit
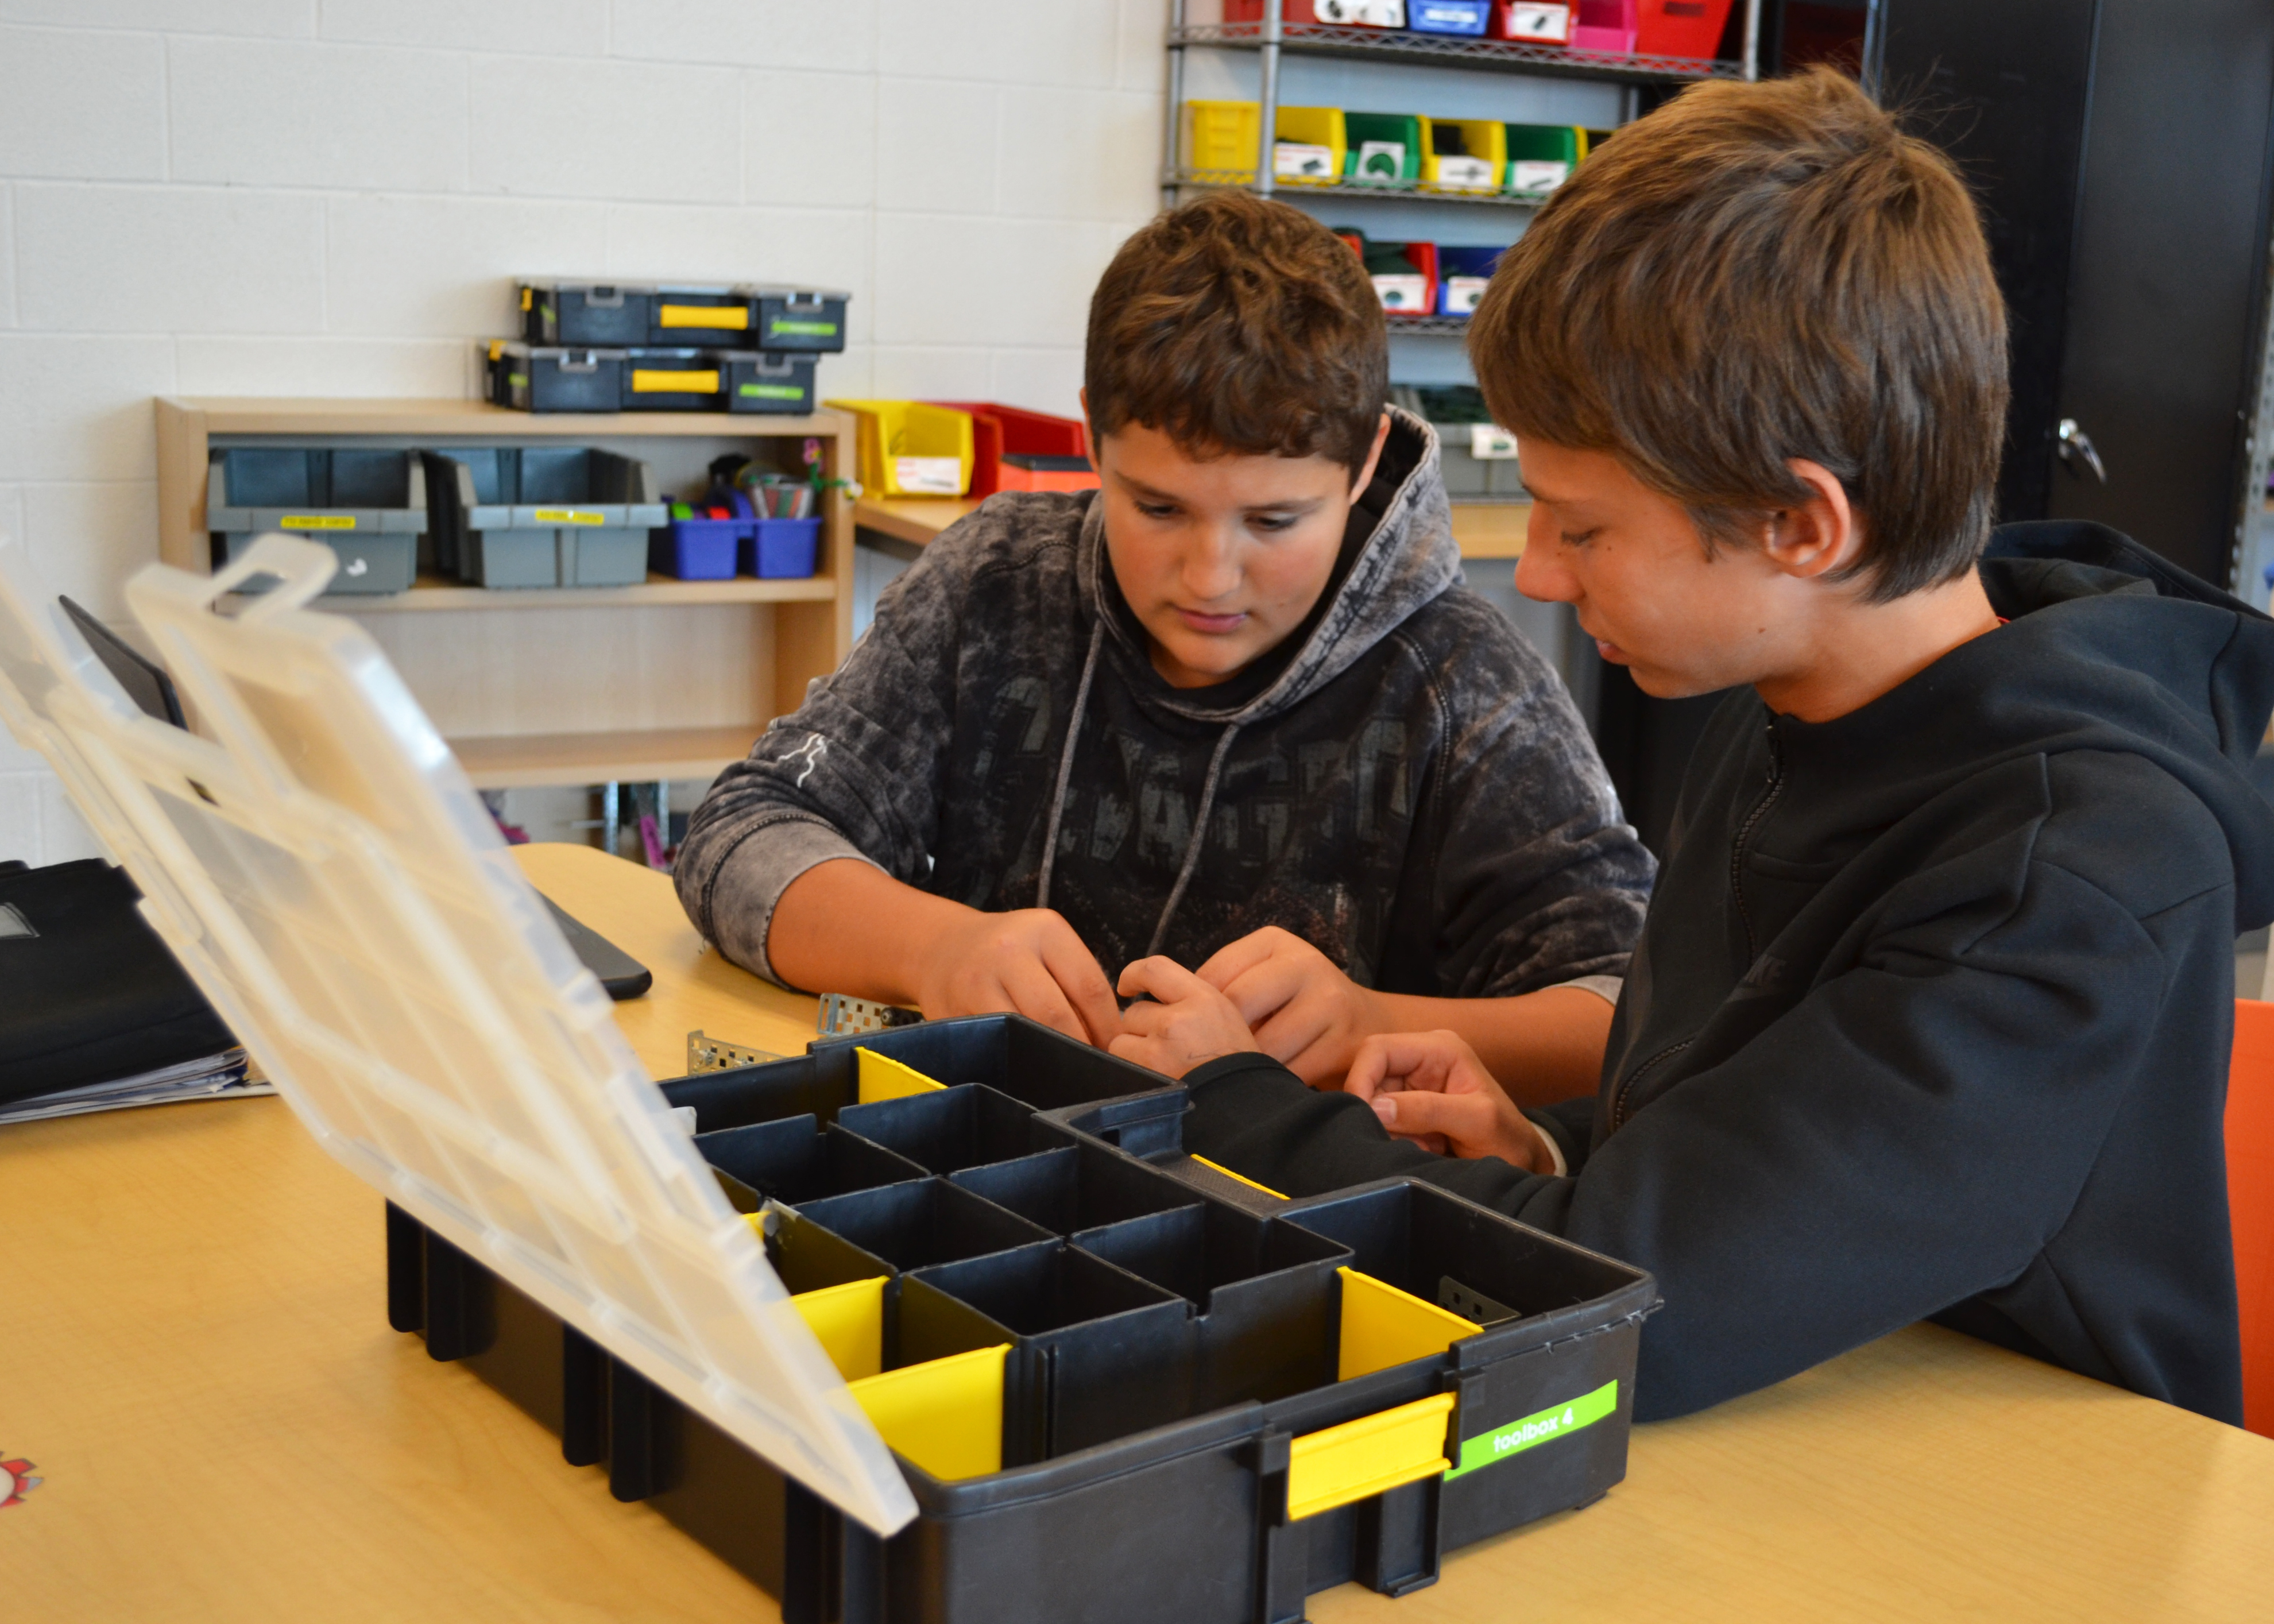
pixel 666 680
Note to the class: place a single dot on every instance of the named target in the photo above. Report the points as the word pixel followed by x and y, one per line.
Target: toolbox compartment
pixel 1267 1396
pixel 539 515
pixel 368 506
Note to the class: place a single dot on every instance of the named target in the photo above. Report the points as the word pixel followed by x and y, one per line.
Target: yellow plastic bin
pixel 1309 146
pixel 1220 139
pixel 1464 154
pixel 910 449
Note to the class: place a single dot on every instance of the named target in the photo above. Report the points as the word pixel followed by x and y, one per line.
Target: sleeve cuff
pixel 1607 987
pixel 1562 1168
pixel 750 884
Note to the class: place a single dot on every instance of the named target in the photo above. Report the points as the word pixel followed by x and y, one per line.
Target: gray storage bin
pixel 369 507
pixel 541 515
pixel 1456 412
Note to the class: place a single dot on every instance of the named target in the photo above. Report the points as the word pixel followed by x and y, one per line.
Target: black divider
pixel 795 1160
pixel 1098 1353
pixel 768 1093
pixel 1419 1239
pixel 1077 1186
pixel 1028 1061
pixel 807 1256
pixel 910 1226
pixel 949 1130
pixel 1267 1290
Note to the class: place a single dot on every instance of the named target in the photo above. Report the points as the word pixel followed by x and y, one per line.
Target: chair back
pixel 2250 1202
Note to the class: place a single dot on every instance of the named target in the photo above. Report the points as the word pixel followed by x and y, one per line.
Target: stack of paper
pixel 229 1074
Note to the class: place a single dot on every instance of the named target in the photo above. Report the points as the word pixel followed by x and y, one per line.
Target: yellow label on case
pixel 317 521
pixel 570 515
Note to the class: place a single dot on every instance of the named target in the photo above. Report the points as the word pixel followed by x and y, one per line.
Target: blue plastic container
pixel 1469 17
pixel 704 549
pixel 782 549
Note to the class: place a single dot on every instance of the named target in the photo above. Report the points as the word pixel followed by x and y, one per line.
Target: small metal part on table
pixel 842 1015
pixel 710 1054
pixel 1470 1303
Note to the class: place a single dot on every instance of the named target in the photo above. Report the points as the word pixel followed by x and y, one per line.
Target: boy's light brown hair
pixel 1760 272
pixel 1237 324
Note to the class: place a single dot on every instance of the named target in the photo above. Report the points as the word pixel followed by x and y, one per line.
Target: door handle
pixel 2075 445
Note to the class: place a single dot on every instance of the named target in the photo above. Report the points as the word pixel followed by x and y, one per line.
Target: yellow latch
pixel 648 382
pixel 1365 1457
pixel 715 315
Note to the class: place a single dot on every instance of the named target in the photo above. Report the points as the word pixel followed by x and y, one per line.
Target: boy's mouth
pixel 1610 652
pixel 1211 625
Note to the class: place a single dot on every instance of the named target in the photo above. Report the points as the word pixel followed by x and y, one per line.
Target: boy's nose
pixel 1540 578
pixel 1210 572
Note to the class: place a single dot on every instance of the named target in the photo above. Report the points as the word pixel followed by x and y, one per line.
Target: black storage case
pixel 746 316
pixel 1172 1334
pixel 536 378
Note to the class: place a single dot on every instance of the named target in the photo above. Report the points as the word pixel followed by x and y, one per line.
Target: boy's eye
pixel 1580 539
pixel 1272 522
pixel 1155 510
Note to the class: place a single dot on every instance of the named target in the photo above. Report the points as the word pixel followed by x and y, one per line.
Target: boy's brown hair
pixel 1760 272
pixel 1237 324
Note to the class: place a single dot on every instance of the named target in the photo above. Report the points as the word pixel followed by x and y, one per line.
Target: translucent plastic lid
pixel 320 866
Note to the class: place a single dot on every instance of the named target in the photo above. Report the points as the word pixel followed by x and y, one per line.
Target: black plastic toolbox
pixel 1211 1402
pixel 539 378
pixel 539 515
pixel 742 316
pixel 368 506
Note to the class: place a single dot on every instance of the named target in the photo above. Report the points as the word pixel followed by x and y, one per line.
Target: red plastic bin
pixel 999 431
pixel 1681 27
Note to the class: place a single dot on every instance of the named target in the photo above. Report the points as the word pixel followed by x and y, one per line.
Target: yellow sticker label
pixel 570 515
pixel 317 521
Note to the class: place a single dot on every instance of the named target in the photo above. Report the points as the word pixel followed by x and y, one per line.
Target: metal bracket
pixel 842 1015
pixel 710 1054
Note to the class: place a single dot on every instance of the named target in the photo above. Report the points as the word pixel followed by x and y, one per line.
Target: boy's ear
pixel 1373 458
pixel 1821 534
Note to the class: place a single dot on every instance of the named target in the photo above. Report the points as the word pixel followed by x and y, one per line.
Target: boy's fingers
pixel 1229 963
pixel 1075 969
pixel 1034 993
pixel 1263 990
pixel 1162 979
pixel 1463 1118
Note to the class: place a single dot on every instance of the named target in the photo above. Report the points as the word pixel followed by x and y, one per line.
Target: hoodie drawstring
pixel 1192 845
pixel 1065 772
pixel 1065 763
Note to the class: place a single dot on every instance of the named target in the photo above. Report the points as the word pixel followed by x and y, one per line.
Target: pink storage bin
pixel 1607 26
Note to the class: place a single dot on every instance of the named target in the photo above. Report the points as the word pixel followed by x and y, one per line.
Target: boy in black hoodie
pixel 1931 1013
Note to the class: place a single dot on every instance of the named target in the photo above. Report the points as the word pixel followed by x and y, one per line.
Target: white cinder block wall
pixel 326 197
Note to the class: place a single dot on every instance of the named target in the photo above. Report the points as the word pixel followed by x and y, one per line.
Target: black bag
pixel 88 994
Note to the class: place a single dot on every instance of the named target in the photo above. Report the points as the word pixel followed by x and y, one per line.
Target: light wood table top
pixel 1483 529
pixel 197 1358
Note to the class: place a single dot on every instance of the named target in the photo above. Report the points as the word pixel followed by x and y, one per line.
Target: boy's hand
pixel 1030 963
pixel 1429 1087
pixel 1304 1013
pixel 1188 1024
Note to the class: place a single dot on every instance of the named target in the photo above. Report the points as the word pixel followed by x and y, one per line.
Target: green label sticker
pixel 1535 1430
pixel 810 330
pixel 772 391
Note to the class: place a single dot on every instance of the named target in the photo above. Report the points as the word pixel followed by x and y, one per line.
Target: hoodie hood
pixel 1409 559
pixel 2110 648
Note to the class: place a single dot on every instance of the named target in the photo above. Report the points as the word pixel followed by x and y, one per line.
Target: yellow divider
pixel 1383 1327
pixel 945 1414
pixel 849 1321
pixel 1217 1166
pixel 1337 1464
pixel 882 1078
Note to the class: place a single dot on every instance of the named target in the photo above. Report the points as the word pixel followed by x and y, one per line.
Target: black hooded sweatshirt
pixel 1931 1014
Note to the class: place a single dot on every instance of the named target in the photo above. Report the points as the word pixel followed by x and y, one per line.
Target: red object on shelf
pixel 1252 12
pixel 1606 26
pixel 1681 27
pixel 998 432
pixel 1532 24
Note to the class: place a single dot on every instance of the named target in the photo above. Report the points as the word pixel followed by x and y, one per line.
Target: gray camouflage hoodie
pixel 1402 782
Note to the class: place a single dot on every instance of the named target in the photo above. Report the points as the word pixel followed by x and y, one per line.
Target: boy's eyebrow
pixel 1291 505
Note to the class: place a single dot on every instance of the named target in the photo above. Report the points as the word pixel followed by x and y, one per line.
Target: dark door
pixel 2168 281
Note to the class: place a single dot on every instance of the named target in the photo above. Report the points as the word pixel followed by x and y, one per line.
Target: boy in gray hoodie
pixel 1235 708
